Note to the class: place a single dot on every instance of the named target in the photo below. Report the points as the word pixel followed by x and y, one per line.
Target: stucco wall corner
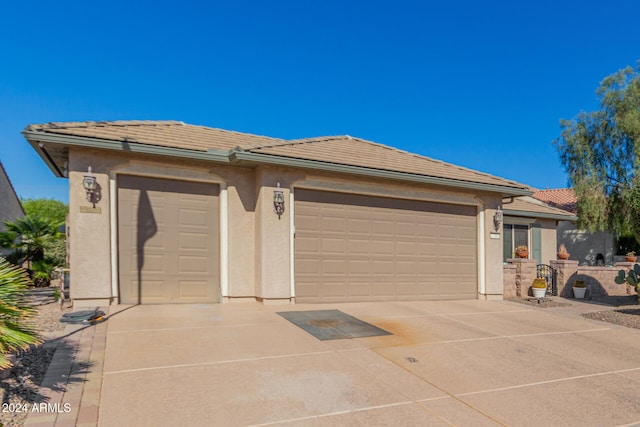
pixel 89 234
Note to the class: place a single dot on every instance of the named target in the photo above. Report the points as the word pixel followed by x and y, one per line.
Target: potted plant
pixel 522 251
pixel 579 289
pixel 562 252
pixel 539 287
pixel 631 257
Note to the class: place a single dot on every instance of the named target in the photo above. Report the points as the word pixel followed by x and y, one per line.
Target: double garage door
pixel 360 248
pixel 347 247
pixel 168 241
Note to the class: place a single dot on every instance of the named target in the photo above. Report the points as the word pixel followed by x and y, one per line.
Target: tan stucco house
pixel 185 213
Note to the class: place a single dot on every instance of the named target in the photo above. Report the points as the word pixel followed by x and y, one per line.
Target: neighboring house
pixel 10 206
pixel 531 222
pixel 587 248
pixel 185 213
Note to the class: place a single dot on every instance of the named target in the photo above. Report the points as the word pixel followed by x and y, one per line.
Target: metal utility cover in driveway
pixel 332 324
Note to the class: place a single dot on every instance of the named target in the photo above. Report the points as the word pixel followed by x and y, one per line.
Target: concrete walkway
pixel 447 363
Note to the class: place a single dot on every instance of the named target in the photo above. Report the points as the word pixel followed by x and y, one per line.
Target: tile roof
pixel 160 133
pixel 563 198
pixel 529 204
pixel 343 150
pixel 359 152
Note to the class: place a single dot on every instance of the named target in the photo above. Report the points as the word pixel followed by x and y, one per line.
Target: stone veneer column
pixel 525 273
pixel 566 271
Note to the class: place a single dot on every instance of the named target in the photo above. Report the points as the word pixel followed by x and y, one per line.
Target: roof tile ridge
pixel 96 123
pixel 532 200
pixel 549 190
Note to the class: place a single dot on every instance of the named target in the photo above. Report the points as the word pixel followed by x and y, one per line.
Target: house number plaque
pixel 89 209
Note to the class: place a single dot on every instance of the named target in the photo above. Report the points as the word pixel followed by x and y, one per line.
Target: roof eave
pixel 34 138
pixel 240 156
pixel 531 214
pixel 249 157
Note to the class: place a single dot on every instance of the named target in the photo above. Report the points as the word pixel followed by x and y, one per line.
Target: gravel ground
pixel 19 386
pixel 622 310
pixel 626 314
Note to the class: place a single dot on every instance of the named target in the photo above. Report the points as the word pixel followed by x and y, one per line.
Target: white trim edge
pixel 292 236
pixel 113 223
pixel 224 244
pixel 481 252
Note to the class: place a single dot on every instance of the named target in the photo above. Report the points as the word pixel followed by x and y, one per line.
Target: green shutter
pixel 507 251
pixel 536 243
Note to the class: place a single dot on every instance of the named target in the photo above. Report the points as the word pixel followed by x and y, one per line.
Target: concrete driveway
pixel 463 363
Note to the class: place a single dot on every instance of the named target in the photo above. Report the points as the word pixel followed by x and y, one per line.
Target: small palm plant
pixel 15 312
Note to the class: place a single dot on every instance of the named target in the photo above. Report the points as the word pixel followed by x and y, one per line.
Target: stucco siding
pixel 89 233
pixel 549 240
pixel 259 243
pixel 583 246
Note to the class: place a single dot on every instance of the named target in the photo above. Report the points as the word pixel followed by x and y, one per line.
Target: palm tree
pixel 15 312
pixel 28 237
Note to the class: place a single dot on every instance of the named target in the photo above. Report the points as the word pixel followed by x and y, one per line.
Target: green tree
pixel 52 210
pixel 15 312
pixel 29 237
pixel 601 153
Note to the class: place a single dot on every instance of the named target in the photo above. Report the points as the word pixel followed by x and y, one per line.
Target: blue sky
pixel 479 84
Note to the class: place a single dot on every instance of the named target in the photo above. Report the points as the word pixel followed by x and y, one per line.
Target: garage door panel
pixel 193 288
pixel 359 268
pixel 407 248
pixel 193 218
pixel 359 289
pixel 334 266
pixel 333 224
pixel 403 249
pixel 383 267
pixel 307 222
pixel 382 228
pixel 382 247
pixel 358 246
pixel 156 242
pixel 359 225
pixel 153 264
pixel 193 264
pixel 196 241
pixel 151 288
pixel 426 250
pixel 172 226
pixel 334 246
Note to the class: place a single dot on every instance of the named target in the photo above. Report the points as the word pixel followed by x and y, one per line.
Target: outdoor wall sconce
pixel 497 219
pixel 90 185
pixel 278 201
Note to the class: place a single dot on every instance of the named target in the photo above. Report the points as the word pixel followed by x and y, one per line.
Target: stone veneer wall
pixel 524 275
pixel 519 273
pixel 509 277
pixel 599 280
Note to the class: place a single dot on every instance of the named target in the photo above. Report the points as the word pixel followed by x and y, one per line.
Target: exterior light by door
pixel 90 185
pixel 278 201
pixel 497 219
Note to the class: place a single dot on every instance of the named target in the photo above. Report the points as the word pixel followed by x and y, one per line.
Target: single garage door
pixel 168 241
pixel 358 248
